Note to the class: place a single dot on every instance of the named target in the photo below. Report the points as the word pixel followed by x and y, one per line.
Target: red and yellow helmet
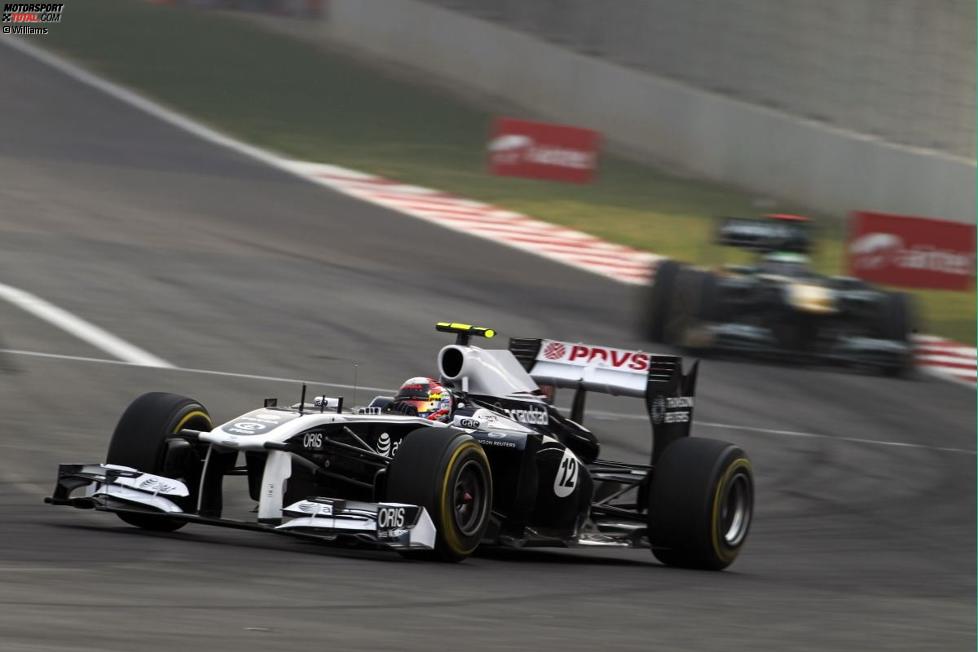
pixel 427 396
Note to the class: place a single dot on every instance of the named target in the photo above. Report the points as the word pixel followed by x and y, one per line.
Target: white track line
pixel 814 435
pixel 83 330
pixel 41 569
pixel 211 372
pixel 146 105
pixel 791 433
pixel 597 413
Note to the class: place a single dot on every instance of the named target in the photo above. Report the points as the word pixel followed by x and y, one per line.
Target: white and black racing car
pixel 507 468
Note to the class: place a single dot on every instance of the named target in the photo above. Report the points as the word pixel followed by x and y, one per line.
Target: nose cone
pixel 811 298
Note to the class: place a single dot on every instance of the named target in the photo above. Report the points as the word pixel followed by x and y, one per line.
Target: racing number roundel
pixel 565 482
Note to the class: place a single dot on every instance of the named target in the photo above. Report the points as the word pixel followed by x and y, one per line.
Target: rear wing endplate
pixel 657 378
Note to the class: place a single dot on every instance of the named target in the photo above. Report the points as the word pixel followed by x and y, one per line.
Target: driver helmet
pixel 427 396
pixel 785 263
pixel 788 257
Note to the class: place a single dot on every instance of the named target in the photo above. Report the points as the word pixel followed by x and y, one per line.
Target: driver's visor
pixel 423 407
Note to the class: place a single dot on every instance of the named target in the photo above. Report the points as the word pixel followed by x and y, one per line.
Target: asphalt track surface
pixel 213 261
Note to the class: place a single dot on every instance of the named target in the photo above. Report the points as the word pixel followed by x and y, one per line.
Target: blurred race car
pixel 505 468
pixel 778 307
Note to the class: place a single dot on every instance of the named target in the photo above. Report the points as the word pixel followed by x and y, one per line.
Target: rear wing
pixel 772 233
pixel 656 378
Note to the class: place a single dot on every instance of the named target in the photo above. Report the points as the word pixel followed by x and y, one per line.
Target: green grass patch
pixel 303 101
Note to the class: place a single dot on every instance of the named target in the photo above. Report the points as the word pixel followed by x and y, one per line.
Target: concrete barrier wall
pixel 661 120
pixel 903 70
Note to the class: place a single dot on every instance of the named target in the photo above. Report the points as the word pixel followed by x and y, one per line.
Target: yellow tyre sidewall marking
pixel 447 518
pixel 726 554
pixel 190 415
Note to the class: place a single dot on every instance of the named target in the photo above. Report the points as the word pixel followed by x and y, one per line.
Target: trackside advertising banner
pixel 912 252
pixel 538 150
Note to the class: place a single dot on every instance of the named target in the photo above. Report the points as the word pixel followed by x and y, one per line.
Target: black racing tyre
pixel 446 471
pixel 710 307
pixel 685 305
pixel 658 303
pixel 894 321
pixel 703 306
pixel 139 441
pixel 894 318
pixel 701 503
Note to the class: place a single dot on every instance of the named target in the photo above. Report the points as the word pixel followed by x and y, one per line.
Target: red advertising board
pixel 913 252
pixel 538 150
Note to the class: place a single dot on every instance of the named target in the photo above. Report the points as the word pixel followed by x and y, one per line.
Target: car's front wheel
pixel 656 307
pixel 139 441
pixel 446 471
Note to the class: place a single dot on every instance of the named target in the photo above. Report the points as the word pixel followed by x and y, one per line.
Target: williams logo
pixel 30 18
pixel 156 485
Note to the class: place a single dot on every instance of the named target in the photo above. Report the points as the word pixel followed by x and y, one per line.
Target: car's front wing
pixel 845 349
pixel 114 488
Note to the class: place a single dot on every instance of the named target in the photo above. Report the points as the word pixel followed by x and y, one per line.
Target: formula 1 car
pixel 778 307
pixel 508 469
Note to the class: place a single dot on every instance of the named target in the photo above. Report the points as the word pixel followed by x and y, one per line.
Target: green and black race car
pixel 778 307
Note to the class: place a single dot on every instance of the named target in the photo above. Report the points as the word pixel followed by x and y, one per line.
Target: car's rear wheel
pixel 446 471
pixel 701 503
pixel 140 438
